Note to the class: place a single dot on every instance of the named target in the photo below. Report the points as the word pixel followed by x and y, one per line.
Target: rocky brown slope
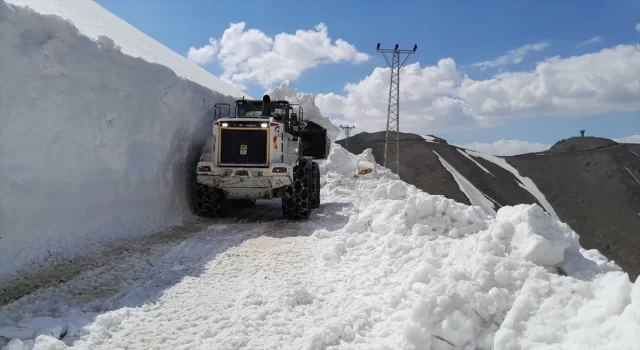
pixel 593 184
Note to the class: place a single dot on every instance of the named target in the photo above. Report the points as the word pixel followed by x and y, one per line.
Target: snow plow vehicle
pixel 265 151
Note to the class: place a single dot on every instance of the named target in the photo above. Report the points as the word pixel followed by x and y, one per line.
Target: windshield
pixel 278 111
pixel 250 110
pixel 255 110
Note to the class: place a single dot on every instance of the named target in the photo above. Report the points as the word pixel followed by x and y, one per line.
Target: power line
pixel 392 136
pixel 347 132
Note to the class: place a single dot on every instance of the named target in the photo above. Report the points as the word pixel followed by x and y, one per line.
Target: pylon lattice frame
pixel 392 135
pixel 347 132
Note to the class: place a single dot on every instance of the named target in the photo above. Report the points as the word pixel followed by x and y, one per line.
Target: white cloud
pixel 514 56
pixel 427 99
pixel 205 54
pixel 441 98
pixel 251 56
pixel 628 139
pixel 594 40
pixel 514 147
pixel 638 27
pixel 506 147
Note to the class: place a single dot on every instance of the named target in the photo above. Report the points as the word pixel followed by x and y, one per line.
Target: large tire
pixel 296 202
pixel 315 185
pixel 208 201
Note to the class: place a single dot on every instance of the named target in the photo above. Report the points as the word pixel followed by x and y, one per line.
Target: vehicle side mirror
pixel 294 116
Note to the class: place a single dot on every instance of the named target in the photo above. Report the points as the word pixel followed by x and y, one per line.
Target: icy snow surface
pixel 93 143
pixel 525 182
pixel 94 21
pixel 380 265
pixel 476 197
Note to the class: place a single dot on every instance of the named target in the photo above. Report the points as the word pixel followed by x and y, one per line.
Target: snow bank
pixel 451 278
pixel 308 103
pixel 94 144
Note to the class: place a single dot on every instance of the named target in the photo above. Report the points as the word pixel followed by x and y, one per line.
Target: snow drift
pixel 432 273
pixel 94 143
pixel 405 270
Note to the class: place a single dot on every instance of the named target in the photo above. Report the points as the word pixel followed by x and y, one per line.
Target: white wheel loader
pixel 264 151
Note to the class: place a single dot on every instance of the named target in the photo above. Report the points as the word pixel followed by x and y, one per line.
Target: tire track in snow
pixel 52 276
pixel 261 262
pixel 142 270
pixel 119 253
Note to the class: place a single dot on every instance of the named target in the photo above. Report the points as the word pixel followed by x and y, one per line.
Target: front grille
pixel 242 147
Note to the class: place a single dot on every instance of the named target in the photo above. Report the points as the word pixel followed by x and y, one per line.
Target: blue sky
pixel 467 31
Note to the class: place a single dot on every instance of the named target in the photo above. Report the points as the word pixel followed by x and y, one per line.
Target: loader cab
pixel 281 110
pixel 261 108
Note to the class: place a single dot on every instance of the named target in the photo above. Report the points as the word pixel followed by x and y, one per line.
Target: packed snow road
pixel 147 247
pixel 143 278
pixel 380 265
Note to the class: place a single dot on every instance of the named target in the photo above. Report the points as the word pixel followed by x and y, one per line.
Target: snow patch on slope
pixel 476 197
pixel 632 175
pixel 428 138
pixel 473 160
pixel 96 22
pixel 525 182
pixel 308 102
pixel 94 143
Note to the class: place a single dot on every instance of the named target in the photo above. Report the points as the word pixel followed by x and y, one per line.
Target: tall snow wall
pixel 94 145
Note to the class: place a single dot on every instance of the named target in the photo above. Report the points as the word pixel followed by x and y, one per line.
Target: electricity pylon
pixel 392 136
pixel 347 132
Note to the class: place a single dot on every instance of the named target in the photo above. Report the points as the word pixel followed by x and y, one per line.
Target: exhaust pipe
pixel 266 105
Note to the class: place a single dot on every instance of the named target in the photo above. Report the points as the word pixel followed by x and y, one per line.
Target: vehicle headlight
pixel 224 125
pixel 264 125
